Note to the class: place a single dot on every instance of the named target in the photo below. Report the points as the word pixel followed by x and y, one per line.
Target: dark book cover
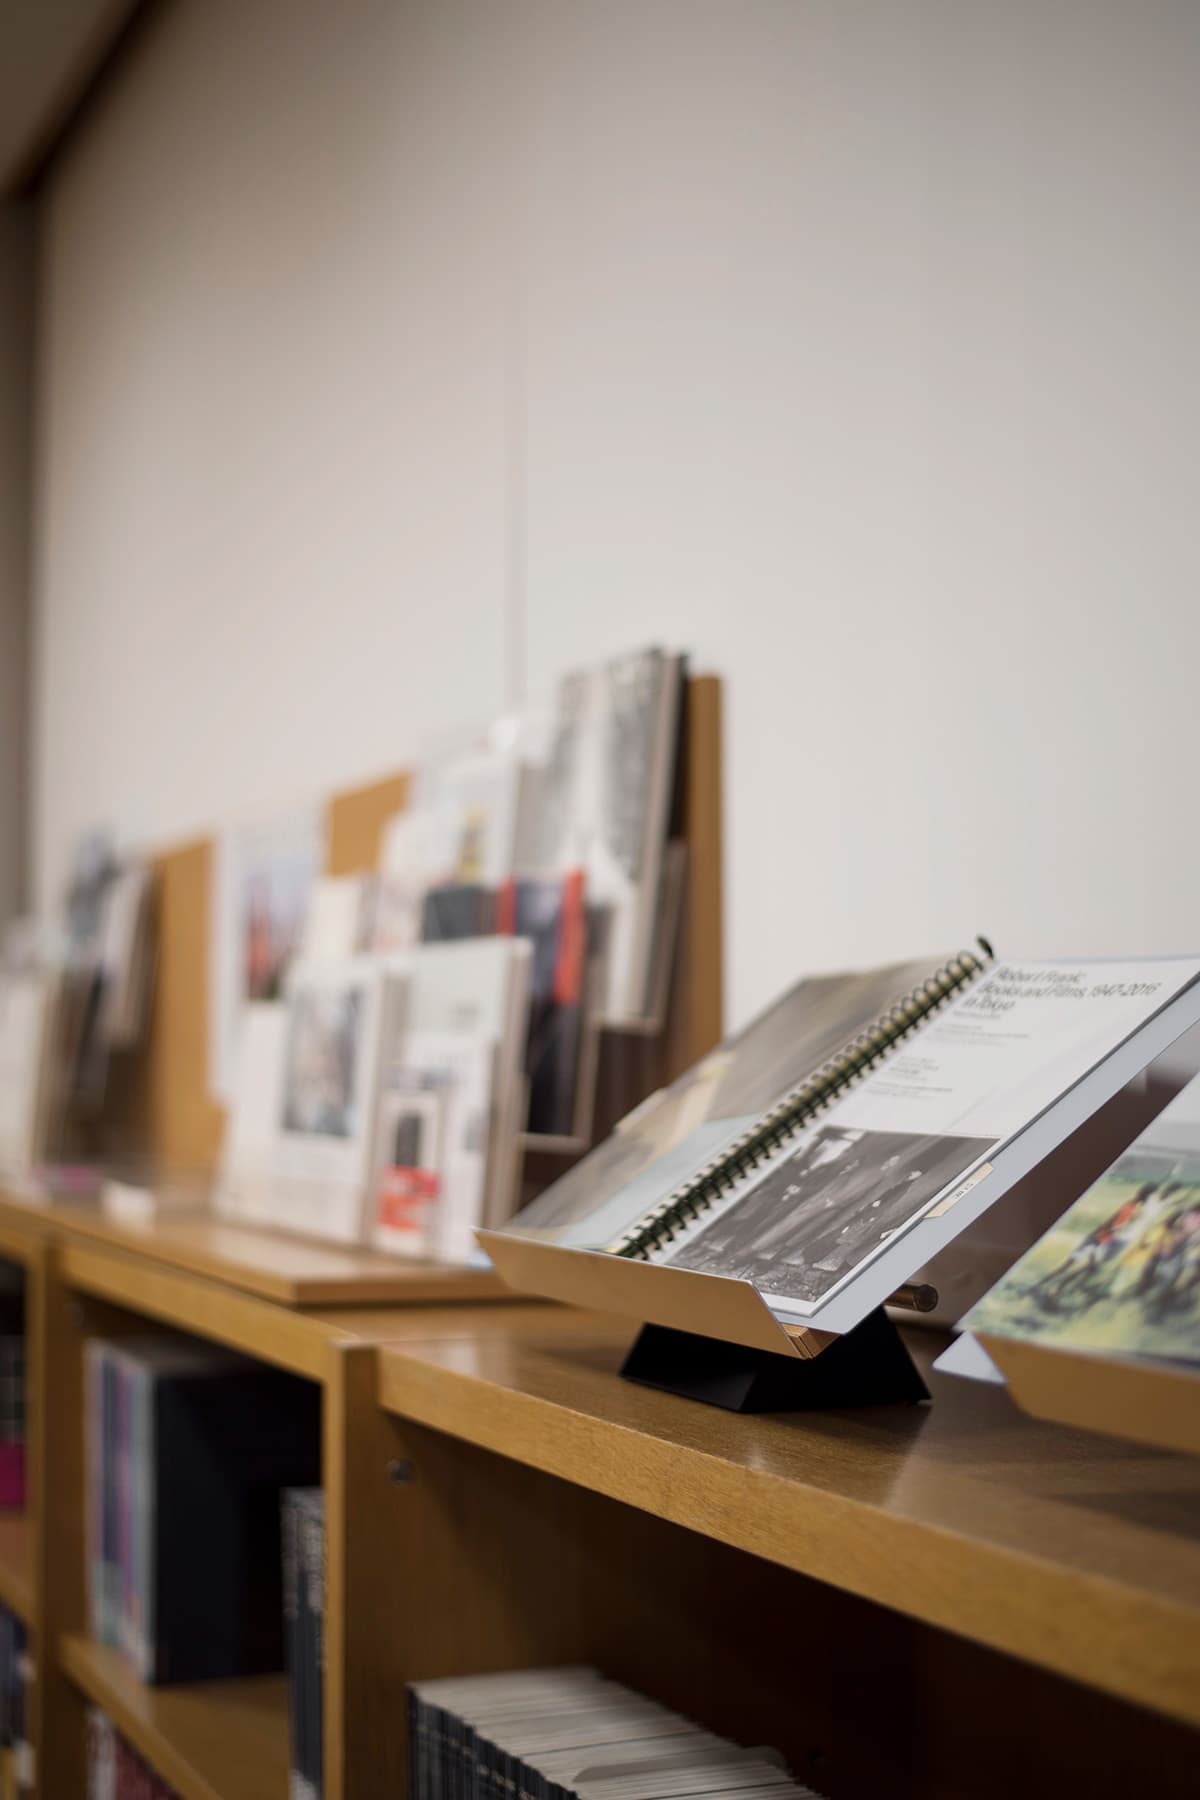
pixel 458 910
pixel 553 916
pixel 228 1437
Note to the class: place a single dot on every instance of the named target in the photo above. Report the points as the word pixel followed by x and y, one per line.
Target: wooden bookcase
pixel 927 1602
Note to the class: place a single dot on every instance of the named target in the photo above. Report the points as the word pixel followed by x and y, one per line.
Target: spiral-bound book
pixel 870 1158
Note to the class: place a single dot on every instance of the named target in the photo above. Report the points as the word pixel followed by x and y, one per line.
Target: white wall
pixel 16 343
pixel 399 355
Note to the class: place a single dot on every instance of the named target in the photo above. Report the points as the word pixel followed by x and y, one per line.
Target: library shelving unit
pixel 946 1601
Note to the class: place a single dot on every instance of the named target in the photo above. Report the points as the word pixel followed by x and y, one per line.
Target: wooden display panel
pixel 162 1107
pixel 357 820
pixel 696 1011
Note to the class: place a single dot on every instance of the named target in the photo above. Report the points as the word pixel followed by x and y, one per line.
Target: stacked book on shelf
pixel 115 1771
pixel 304 1630
pixel 189 1450
pixel 570 1734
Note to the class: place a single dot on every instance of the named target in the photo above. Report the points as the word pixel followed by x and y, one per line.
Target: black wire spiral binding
pixel 798 1108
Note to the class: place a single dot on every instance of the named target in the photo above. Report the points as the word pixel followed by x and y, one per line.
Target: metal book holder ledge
pixel 713 1337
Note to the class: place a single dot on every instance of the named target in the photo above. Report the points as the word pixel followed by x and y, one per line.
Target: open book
pixel 897 1133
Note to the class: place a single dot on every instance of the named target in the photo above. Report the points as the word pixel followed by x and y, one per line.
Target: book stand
pixel 744 1360
pixel 868 1366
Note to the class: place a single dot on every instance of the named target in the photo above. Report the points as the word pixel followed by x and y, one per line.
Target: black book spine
pixel 314 1593
pixel 455 1767
pixel 308 1660
pixel 438 1729
pixel 470 1760
pixel 291 1637
pixel 416 1747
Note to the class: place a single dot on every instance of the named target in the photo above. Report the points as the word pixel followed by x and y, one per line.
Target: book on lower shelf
pixel 798 1177
pixel 16 1677
pixel 570 1734
pixel 188 1450
pixel 115 1770
pixel 304 1630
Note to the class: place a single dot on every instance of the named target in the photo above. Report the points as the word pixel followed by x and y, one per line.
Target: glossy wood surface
pixel 1079 1554
pixel 217 1740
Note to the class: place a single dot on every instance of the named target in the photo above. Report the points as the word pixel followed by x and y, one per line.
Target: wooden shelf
pixel 289 1271
pixel 305 1341
pixel 17 1544
pixel 1077 1554
pixel 218 1740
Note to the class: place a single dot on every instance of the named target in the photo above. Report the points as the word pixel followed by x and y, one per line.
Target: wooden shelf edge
pixel 292 1340
pixel 17 1557
pixel 286 1268
pixel 24 1228
pixel 221 1740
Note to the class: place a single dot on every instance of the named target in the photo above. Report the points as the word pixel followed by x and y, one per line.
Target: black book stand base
pixel 868 1366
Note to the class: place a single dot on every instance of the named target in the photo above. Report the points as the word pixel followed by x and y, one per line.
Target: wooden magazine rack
pixel 161 1107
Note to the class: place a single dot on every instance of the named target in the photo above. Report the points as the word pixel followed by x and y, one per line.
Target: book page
pixel 910 1136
